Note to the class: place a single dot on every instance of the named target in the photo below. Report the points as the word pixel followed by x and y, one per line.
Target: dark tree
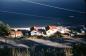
pixel 4 29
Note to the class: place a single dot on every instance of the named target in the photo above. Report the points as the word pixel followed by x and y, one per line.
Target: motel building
pixel 15 34
pixel 51 30
pixel 48 30
pixel 63 30
pixel 37 31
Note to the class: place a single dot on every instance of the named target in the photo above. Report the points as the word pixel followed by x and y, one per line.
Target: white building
pixel 45 31
pixel 36 31
pixel 63 30
pixel 52 30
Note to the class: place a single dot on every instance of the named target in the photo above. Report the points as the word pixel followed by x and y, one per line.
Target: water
pixel 23 14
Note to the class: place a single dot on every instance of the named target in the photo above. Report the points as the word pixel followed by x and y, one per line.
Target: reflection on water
pixel 40 51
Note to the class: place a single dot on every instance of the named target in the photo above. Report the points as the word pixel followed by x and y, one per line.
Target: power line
pixel 52 6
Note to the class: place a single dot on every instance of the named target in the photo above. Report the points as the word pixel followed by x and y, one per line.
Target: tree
pixel 4 29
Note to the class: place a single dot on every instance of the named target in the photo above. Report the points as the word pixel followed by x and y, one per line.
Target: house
pixel 36 31
pixel 51 30
pixel 63 30
pixel 16 34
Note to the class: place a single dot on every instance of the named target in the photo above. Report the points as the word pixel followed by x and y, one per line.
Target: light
pixel 62 31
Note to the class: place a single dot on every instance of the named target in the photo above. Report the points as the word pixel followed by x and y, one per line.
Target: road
pixel 12 42
pixel 29 41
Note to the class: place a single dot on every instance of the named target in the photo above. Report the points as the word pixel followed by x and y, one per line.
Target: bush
pixel 4 29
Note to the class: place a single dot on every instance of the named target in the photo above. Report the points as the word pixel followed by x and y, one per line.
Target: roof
pixel 16 32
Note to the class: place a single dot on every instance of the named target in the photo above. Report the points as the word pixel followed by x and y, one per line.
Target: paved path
pixel 13 42
pixel 78 40
pixel 40 41
pixel 50 43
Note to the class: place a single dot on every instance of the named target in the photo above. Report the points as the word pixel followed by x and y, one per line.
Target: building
pixel 63 30
pixel 51 30
pixel 16 34
pixel 37 31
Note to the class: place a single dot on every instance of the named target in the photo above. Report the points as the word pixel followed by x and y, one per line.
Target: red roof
pixel 53 27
